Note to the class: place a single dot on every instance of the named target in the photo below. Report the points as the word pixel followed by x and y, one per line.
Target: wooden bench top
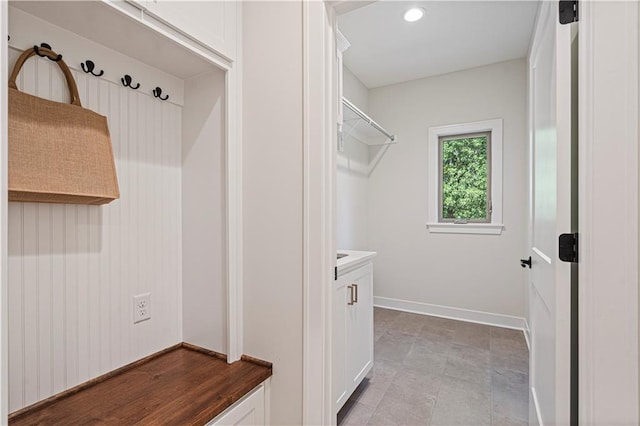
pixel 182 385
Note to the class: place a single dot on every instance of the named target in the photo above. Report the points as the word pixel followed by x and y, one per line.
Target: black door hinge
pixel 568 247
pixel 335 273
pixel 568 12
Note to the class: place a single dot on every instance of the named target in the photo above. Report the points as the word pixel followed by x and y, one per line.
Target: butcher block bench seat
pixel 181 385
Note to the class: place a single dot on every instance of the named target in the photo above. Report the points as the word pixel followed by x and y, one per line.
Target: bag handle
pixel 73 88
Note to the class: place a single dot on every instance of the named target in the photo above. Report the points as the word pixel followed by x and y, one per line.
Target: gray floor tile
pixel 430 370
pixel 375 385
pixel 475 335
pixel 415 385
pixel 407 323
pixel 441 323
pixel 396 411
pixel 381 320
pixel 461 402
pixel 383 371
pixel 499 420
pixel 506 333
pixel 510 361
pixel 469 363
pixel 393 346
pixel 509 343
pixel 436 333
pixel 427 357
pixel 354 413
pixel 381 314
pixel 510 395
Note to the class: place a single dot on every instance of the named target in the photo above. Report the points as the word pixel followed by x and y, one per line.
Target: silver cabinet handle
pixel 356 287
pixel 351 301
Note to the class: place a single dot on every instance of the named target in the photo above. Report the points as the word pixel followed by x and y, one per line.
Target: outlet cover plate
pixel 141 307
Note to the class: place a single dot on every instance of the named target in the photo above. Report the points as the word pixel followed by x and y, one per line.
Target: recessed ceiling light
pixel 414 14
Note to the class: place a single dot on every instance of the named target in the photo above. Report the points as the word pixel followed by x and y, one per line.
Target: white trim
pixel 540 254
pixel 608 176
pixel 495 127
pixel 233 151
pixel 460 314
pixel 319 137
pixel 527 334
pixel 536 405
pixel 466 228
pixel 4 307
pixel 267 402
pixel 175 35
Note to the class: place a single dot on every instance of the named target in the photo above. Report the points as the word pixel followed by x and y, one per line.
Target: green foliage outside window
pixel 464 178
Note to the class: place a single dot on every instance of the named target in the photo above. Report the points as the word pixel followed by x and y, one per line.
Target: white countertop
pixel 353 260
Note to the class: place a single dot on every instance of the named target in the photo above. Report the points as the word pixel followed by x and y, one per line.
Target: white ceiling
pixel 452 36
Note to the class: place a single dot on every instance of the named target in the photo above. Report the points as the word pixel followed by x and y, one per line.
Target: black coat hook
pixel 126 82
pixel 46 46
pixel 89 68
pixel 157 92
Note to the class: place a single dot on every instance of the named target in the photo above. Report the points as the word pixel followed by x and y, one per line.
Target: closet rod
pixel 368 119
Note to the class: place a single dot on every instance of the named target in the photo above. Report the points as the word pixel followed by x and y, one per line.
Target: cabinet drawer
pixel 250 410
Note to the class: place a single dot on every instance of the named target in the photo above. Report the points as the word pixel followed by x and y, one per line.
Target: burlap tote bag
pixel 58 152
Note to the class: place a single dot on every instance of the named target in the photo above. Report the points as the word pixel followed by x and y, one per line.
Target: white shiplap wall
pixel 73 270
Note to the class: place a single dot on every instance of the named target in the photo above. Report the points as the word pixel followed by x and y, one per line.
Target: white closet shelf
pixel 360 126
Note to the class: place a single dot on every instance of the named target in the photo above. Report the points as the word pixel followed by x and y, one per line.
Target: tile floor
pixel 435 371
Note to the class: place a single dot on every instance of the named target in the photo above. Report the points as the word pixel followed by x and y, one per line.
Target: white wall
pixel 204 286
pixel 476 272
pixel 272 197
pixel 73 269
pixel 351 181
pixel 354 90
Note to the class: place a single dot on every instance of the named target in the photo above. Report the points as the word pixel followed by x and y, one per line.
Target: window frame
pixel 488 206
pixel 494 153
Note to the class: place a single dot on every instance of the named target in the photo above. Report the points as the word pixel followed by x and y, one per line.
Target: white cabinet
pixel 250 410
pixel 211 23
pixel 352 331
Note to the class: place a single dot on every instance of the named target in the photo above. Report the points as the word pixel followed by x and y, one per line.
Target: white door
pixel 550 102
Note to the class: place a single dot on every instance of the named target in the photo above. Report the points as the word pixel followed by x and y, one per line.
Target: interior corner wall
pixel 474 272
pixel 352 180
pixel 273 198
pixel 204 285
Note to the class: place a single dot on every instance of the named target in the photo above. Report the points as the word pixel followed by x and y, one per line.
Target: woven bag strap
pixel 73 88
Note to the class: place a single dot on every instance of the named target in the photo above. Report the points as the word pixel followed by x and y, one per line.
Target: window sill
pixel 465 228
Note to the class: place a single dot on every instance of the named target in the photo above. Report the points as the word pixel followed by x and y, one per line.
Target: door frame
pixel 608 297
pixel 4 305
pixel 608 252
pixel 319 216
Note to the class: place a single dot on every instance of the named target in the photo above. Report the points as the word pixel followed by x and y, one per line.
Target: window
pixel 465 179
pixel 465 162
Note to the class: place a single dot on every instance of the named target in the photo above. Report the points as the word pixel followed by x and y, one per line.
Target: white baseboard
pixel 487 318
pixel 527 334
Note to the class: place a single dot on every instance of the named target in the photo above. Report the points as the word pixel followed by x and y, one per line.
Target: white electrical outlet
pixel 141 307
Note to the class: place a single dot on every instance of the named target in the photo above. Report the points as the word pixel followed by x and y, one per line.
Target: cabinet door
pixel 360 327
pixel 247 411
pixel 339 339
pixel 212 23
